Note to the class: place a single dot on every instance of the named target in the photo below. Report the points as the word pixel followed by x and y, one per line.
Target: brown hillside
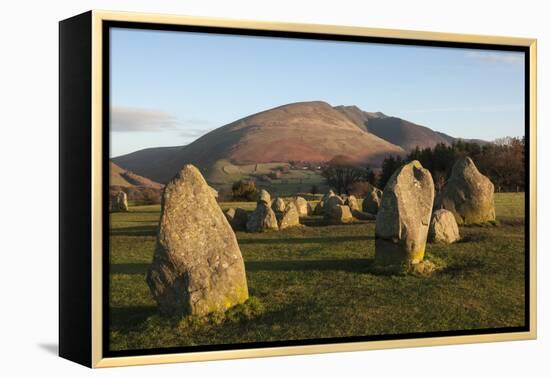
pixel 306 131
pixel 124 178
pixel 406 134
pixel 358 116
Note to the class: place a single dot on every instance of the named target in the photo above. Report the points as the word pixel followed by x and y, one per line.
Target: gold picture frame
pixel 91 24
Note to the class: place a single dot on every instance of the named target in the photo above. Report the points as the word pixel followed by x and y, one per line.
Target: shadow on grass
pixel 349 265
pixel 317 221
pixel 299 240
pixel 130 317
pixel 464 267
pixel 129 268
pixel 135 231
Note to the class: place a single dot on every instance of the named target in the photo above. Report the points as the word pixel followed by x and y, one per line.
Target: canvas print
pixel 269 190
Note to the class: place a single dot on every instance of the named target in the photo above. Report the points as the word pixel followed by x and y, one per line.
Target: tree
pixel 341 172
pixel 244 190
pixel 502 161
pixel 389 166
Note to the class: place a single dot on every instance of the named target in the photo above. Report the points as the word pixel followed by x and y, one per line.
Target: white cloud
pixel 140 119
pixel 194 132
pixel 497 56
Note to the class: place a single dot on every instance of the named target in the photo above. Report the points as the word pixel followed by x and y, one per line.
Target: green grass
pixel 318 281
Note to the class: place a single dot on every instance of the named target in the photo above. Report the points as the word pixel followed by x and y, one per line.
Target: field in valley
pixel 318 281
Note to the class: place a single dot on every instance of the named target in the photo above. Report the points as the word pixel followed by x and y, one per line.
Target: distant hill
pixel 305 131
pixel 359 117
pixel 406 134
pixel 124 178
pixel 395 130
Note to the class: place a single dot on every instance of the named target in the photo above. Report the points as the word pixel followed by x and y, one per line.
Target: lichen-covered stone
pixel 404 216
pixel 262 219
pixel 264 197
pixel 372 201
pixel 339 214
pixel 197 265
pixel 468 194
pixel 443 227
pixel 352 203
pixel 237 218
pixel 303 207
pixel 320 207
pixel 332 202
pixel 278 205
pixel 118 201
pixel 290 217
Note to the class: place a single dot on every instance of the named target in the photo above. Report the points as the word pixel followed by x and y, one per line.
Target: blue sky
pixel 169 88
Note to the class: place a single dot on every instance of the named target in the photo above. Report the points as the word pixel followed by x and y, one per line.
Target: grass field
pixel 318 281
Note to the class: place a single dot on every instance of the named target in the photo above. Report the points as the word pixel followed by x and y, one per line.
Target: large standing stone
pixel 372 201
pixel 262 219
pixel 332 202
pixel 290 217
pixel 237 218
pixel 404 216
pixel 468 194
pixel 352 203
pixel 320 207
pixel 264 197
pixel 278 205
pixel 304 208
pixel 118 201
pixel 197 266
pixel 319 210
pixel 443 227
pixel 340 214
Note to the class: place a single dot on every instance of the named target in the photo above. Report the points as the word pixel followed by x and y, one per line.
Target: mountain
pixel 305 131
pixel 395 130
pixel 403 133
pixel 359 117
pixel 122 177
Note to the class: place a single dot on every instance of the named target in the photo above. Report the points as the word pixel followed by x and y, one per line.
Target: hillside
pixel 122 177
pixel 395 130
pixel 306 131
pixel 358 116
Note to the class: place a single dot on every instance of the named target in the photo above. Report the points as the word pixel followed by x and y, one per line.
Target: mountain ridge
pixel 311 131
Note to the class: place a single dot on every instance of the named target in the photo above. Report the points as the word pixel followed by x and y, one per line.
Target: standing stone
pixel 264 197
pixel 197 266
pixel 278 205
pixel 320 207
pixel 372 201
pixel 304 209
pixel 118 201
pixel 468 194
pixel 262 219
pixel 352 203
pixel 290 217
pixel 237 218
pixel 404 216
pixel 340 214
pixel 443 227
pixel 333 201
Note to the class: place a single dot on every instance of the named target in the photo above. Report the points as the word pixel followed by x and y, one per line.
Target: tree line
pixel 503 161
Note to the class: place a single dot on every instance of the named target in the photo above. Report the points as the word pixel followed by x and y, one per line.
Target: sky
pixel 168 88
